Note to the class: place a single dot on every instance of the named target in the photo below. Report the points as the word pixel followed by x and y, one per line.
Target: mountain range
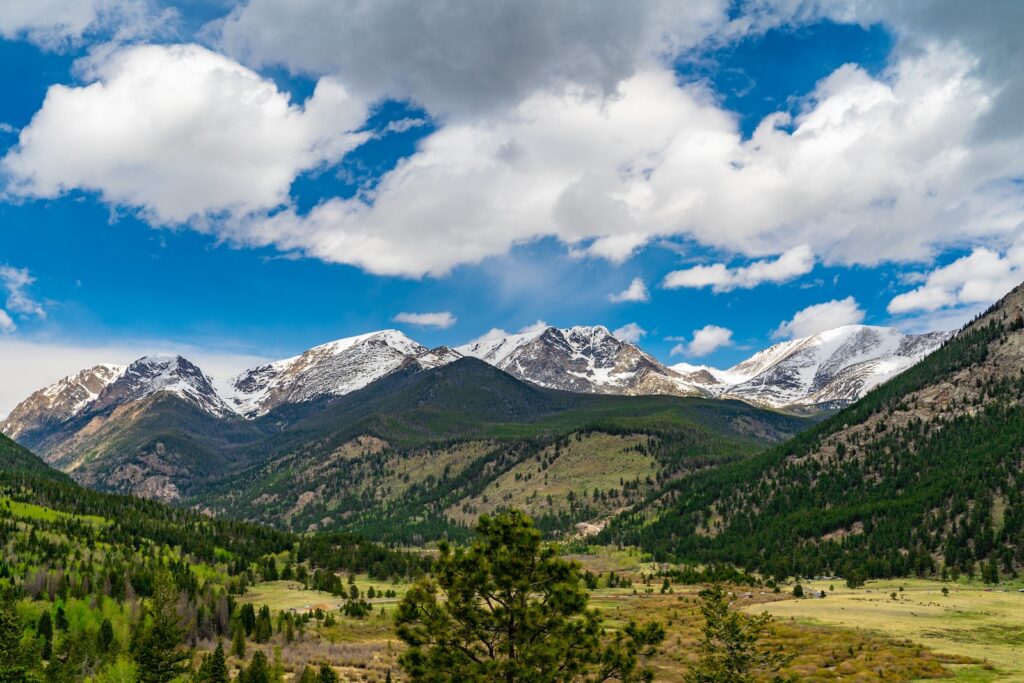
pixel 911 462
pixel 921 476
pixel 825 371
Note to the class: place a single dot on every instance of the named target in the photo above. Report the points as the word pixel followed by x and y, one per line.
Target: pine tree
pixel 61 622
pixel 264 626
pixel 508 608
pixel 732 652
pixel 12 669
pixel 157 645
pixel 327 674
pixel 105 636
pixel 238 641
pixel 258 671
pixel 214 668
pixel 45 629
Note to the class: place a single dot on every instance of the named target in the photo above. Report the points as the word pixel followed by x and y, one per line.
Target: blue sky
pixel 327 186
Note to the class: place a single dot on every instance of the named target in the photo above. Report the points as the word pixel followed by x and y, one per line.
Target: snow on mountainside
pixel 830 369
pixel 152 374
pixel 61 401
pixel 581 359
pixel 331 369
pixel 833 368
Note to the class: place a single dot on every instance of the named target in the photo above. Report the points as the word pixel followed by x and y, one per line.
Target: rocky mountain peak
pixel 60 401
pixel 333 369
pixel 162 373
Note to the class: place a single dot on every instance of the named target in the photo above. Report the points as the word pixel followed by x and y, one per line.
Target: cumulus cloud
pixel 181 133
pixel 442 320
pixel 55 24
pixel 821 317
pixel 637 291
pixel 6 323
pixel 981 277
pixel 498 333
pixel 459 58
pixel 868 169
pixel 630 332
pixel 15 281
pixel 794 263
pixel 706 340
pixel 871 170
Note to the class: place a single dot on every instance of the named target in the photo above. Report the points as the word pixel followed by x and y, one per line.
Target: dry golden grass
pixel 972 621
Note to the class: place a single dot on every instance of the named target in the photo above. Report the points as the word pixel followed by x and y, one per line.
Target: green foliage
pixel 12 666
pixel 508 608
pixel 157 644
pixel 213 668
pixel 327 675
pixel 258 670
pixel 889 502
pixel 731 647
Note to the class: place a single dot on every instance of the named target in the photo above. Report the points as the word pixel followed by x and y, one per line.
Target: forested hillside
pixel 94 572
pixel 922 476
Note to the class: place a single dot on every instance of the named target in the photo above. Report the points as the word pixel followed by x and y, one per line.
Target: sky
pixel 239 181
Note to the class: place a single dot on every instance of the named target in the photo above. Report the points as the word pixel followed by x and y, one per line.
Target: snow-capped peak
pixel 834 367
pixel 581 358
pixel 60 401
pixel 162 373
pixel 332 369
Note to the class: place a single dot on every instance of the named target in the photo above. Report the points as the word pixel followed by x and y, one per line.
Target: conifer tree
pixel 45 629
pixel 158 643
pixel 105 636
pixel 732 652
pixel 238 641
pixel 12 669
pixel 509 609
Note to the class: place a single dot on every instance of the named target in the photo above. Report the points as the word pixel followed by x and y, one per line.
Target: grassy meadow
pixel 863 635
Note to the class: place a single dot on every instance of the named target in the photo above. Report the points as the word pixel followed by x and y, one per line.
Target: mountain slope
pixel 831 369
pixel 580 359
pixel 334 369
pixel 59 402
pixel 408 457
pixel 922 475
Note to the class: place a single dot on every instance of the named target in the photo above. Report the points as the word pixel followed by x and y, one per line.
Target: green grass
pixel 972 621
pixel 45 514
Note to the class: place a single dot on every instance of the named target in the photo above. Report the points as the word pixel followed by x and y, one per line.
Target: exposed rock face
pixel 581 359
pixel 334 369
pixel 152 374
pixel 58 403
pixel 828 370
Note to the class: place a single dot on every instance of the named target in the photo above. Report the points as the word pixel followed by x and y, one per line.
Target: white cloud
pixel 981 277
pixel 180 132
pixel 55 24
pixel 6 323
pixel 637 291
pixel 498 333
pixel 630 332
pixel 706 340
pixel 441 319
pixel 536 326
pixel 15 281
pixel 30 364
pixel 821 317
pixel 794 263
pixel 870 169
pixel 461 58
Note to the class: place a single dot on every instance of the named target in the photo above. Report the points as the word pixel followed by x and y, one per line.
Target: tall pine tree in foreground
pixel 12 669
pixel 732 652
pixel 157 645
pixel 507 608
